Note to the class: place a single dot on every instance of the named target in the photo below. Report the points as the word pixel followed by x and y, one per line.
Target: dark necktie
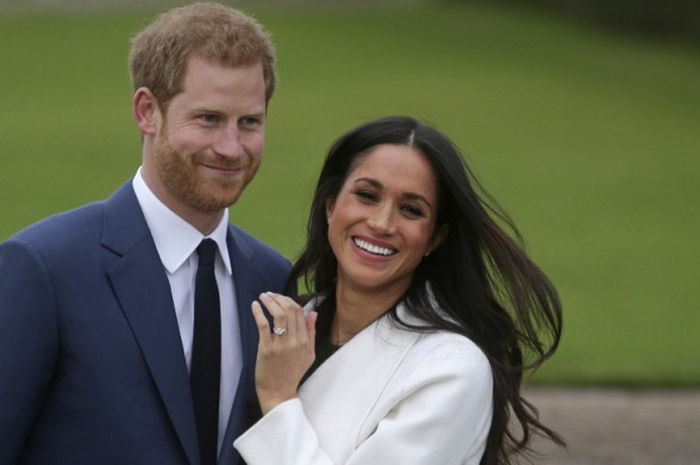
pixel 206 353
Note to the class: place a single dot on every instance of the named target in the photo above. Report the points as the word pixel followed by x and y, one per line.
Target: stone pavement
pixel 618 426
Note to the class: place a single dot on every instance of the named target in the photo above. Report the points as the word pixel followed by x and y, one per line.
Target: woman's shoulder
pixel 440 345
pixel 451 350
pixel 448 365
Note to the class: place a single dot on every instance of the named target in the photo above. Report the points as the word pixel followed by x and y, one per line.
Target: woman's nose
pixel 382 221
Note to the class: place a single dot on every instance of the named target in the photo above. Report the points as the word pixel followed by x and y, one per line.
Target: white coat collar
pixel 372 355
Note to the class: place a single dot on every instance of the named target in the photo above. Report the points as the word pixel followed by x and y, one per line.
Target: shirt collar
pixel 174 237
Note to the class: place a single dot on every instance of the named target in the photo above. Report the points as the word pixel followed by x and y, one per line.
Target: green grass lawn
pixel 591 140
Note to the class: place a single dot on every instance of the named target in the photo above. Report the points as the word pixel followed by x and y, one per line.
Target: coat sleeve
pixel 28 343
pixel 441 414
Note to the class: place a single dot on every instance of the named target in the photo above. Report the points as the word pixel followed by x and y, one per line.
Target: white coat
pixel 388 396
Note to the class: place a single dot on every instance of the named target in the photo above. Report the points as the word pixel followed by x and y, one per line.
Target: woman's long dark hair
pixel 488 288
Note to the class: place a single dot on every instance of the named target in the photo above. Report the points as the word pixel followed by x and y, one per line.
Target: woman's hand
pixel 282 358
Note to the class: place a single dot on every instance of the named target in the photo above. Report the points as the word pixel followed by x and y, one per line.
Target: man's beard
pixel 178 173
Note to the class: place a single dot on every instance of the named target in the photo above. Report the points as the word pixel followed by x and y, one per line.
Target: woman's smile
pixel 372 247
pixel 382 222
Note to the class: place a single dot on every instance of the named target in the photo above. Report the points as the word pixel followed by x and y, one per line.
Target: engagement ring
pixel 279 331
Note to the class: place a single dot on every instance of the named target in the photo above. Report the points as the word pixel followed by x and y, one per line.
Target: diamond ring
pixel 279 330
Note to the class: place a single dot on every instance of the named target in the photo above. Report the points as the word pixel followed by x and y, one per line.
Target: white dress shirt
pixel 176 242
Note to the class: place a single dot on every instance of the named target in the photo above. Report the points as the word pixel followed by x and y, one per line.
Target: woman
pixel 428 314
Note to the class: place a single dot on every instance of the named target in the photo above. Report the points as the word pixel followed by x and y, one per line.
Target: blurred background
pixel 582 118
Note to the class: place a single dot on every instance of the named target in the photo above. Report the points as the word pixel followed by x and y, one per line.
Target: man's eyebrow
pixel 204 109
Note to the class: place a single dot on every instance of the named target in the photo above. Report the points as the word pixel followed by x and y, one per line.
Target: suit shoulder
pixel 263 252
pixel 270 267
pixel 62 229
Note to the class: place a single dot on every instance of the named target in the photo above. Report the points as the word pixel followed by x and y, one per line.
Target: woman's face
pixel 382 222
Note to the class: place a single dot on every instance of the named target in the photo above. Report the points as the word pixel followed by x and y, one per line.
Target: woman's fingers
pixel 261 322
pixel 280 315
pixel 297 315
pixel 311 325
pixel 282 360
pixel 294 315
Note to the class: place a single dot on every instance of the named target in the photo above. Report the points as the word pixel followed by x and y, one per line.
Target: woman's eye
pixel 366 195
pixel 412 211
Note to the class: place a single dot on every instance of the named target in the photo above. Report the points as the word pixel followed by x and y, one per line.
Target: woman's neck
pixel 356 309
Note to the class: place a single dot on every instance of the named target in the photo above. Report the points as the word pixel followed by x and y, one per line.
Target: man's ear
pixel 146 111
pixel 438 236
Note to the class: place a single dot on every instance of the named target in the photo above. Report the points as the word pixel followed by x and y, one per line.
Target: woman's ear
pixel 330 206
pixel 438 236
pixel 146 111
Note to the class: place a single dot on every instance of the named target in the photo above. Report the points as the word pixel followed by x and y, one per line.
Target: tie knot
pixel 207 252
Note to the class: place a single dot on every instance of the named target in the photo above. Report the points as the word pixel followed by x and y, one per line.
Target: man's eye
pixel 210 118
pixel 251 121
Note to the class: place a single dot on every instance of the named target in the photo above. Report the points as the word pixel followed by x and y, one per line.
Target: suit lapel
pixel 143 291
pixel 247 281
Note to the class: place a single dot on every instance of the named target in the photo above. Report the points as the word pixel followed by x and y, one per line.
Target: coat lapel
pixel 372 356
pixel 141 286
pixel 247 281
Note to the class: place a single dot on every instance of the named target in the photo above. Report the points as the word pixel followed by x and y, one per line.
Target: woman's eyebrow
pixel 408 195
pixel 371 181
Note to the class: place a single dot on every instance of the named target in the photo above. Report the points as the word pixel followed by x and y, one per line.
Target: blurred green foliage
pixel 669 18
pixel 589 140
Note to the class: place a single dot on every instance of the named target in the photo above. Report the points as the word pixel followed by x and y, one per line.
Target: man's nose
pixel 229 144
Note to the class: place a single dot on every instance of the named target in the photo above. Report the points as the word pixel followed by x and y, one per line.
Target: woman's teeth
pixel 375 249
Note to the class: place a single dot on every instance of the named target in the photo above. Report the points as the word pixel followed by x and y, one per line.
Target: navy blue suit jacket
pixel 92 369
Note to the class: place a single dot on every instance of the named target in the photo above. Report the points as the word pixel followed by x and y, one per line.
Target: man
pixel 119 343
